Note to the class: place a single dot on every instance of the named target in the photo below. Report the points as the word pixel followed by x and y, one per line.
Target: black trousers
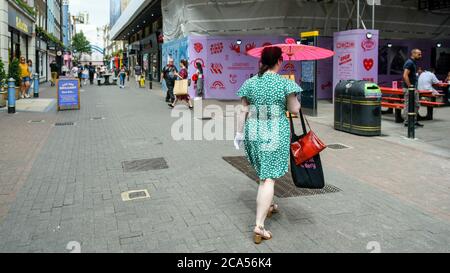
pixel 170 96
pixel 91 78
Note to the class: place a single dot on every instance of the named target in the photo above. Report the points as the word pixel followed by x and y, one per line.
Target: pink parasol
pixel 296 52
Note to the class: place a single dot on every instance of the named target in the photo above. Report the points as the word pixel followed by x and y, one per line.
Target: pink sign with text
pixel 356 55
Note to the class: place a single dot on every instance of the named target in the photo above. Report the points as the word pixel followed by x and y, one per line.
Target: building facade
pixel 66 33
pixel 54 18
pixel 139 26
pixel 16 30
pixel 41 61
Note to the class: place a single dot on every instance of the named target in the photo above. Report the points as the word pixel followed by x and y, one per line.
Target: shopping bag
pixel 181 87
pixel 309 174
pixel 308 145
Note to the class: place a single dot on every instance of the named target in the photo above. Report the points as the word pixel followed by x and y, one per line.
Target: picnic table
pixel 106 78
pixel 393 99
pixel 443 87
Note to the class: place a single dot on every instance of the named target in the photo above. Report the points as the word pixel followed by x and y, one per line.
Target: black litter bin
pixel 357 108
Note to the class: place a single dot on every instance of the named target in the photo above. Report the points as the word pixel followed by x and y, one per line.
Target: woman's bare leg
pixel 264 200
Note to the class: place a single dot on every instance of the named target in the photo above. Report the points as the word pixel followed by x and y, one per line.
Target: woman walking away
pixel 265 99
pixel 200 80
pixel 122 76
pixel 183 75
pixel 25 77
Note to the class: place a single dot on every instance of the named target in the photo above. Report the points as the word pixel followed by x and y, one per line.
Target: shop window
pixel 391 60
pixel 441 60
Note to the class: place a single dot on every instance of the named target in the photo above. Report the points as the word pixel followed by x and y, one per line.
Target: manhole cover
pixel 64 124
pixel 284 186
pixel 338 146
pixel 37 121
pixel 133 195
pixel 144 165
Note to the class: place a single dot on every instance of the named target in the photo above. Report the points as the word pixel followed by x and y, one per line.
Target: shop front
pixel 151 57
pixel 20 26
pixel 41 63
pixel 134 55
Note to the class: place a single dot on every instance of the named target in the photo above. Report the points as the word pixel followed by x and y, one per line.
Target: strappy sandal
pixel 272 210
pixel 258 237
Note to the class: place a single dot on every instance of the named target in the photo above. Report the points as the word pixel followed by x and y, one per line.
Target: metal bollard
pixel 11 96
pixel 411 113
pixel 36 85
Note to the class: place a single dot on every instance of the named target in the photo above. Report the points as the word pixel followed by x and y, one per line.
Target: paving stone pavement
pixel 64 184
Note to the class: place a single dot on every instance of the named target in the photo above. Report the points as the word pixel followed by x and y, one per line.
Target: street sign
pixel 309 34
pixel 68 93
pixel 374 2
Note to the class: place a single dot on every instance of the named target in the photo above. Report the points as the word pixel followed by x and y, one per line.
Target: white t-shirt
pixel 426 81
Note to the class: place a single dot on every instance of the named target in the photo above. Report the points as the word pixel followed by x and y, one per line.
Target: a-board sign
pixel 68 93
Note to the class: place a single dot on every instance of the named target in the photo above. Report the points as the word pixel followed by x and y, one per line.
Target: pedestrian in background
pixel 91 70
pixel 74 71
pixel 85 74
pixel 137 72
pixel 200 80
pixel 426 80
pixel 31 72
pixel 122 76
pixel 168 74
pixel 25 78
pixel 182 75
pixel 80 74
pixel 265 99
pixel 54 72
pixel 410 76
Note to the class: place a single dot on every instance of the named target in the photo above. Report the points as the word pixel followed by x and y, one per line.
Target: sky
pixel 98 10
pixel 98 16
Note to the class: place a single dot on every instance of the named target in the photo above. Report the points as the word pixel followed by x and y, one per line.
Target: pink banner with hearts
pixel 356 55
pixel 226 65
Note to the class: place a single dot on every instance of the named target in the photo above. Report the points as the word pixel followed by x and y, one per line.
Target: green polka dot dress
pixel 267 132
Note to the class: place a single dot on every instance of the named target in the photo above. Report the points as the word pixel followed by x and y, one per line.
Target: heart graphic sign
pixel 368 64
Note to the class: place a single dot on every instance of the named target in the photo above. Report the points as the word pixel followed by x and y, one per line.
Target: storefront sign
pixel 19 21
pixel 68 92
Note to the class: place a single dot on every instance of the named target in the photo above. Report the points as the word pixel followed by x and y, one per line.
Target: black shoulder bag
pixel 308 175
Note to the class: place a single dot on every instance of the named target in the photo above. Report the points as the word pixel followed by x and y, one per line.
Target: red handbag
pixel 308 146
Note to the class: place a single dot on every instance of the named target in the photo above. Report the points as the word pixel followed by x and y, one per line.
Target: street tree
pixel 80 44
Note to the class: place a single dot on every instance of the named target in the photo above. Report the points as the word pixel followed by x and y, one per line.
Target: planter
pixel 3 98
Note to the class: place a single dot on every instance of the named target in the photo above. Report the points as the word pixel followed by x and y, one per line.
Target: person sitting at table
pixel 426 81
pixel 447 80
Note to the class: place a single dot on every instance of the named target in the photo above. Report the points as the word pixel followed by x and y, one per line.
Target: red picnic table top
pixel 441 84
pixel 399 91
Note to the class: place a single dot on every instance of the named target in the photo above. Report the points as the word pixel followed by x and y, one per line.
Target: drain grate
pixel 64 124
pixel 205 118
pixel 144 165
pixel 284 186
pixel 97 118
pixel 37 121
pixel 338 146
pixel 134 195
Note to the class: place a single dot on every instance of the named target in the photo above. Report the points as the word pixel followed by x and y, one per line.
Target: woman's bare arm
pixel 242 115
pixel 293 105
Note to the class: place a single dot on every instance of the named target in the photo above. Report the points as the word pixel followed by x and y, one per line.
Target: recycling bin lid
pixel 371 90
